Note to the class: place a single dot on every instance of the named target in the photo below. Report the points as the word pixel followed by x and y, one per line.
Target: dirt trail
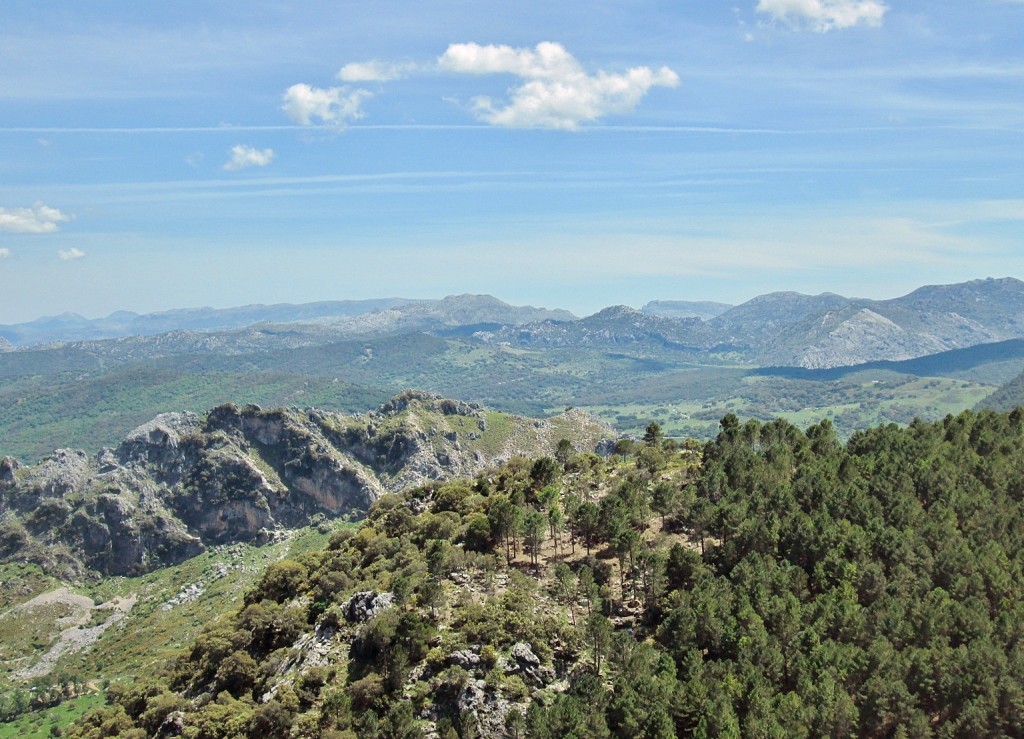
pixel 74 637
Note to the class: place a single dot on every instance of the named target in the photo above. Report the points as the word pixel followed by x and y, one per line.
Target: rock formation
pixel 181 482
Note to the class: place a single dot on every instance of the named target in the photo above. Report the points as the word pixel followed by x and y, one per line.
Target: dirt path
pixel 75 637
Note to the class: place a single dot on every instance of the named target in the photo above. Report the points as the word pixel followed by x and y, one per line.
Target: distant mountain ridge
pixel 346 316
pixel 790 329
pixel 829 330
pixel 776 329
pixel 702 309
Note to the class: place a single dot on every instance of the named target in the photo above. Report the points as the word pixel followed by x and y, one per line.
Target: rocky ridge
pixel 789 329
pixel 182 482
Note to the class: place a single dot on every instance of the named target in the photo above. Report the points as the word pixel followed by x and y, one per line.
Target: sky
pixel 571 155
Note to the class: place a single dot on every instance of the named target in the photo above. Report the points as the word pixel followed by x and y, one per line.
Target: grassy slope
pixel 38 414
pixel 855 402
pixel 149 636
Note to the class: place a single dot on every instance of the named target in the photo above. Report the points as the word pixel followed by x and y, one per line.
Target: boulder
pixel 365 605
pixel 523 662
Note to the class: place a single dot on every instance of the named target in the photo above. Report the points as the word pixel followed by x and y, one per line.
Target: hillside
pixel 829 330
pixel 785 585
pixel 702 309
pixel 182 482
pixel 1006 397
pixel 616 328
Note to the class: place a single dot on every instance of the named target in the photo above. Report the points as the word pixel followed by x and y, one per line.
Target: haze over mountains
pixel 938 350
pixel 777 329
pixel 384 314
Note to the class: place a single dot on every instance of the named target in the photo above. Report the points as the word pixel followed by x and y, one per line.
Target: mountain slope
pixel 788 585
pixel 703 309
pixel 789 329
pixel 1007 397
pixel 181 483
pixel 611 329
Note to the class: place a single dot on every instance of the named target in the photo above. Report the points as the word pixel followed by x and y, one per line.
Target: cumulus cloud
pixel 39 219
pixel 825 15
pixel 4 253
pixel 246 156
pixel 70 254
pixel 556 91
pixel 334 106
pixel 373 71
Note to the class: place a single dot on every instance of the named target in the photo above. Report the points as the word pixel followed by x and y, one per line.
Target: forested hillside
pixel 773 583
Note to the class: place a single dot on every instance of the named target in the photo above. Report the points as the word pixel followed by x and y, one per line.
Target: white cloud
pixel 39 219
pixel 4 253
pixel 825 15
pixel 373 71
pixel 246 156
pixel 557 92
pixel 70 254
pixel 331 105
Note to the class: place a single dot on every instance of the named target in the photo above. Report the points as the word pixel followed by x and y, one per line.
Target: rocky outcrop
pixel 523 662
pixel 363 606
pixel 181 482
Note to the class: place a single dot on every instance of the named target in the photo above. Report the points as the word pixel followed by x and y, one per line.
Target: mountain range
pixel 809 331
pixel 776 329
pixel 334 319
pixel 938 350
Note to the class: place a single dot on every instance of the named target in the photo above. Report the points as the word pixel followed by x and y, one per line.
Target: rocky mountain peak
pixel 430 402
pixel 182 482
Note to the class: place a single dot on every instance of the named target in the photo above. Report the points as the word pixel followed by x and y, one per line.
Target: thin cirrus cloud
pixel 556 92
pixel 39 219
pixel 825 15
pixel 374 71
pixel 247 156
pixel 332 106
pixel 69 255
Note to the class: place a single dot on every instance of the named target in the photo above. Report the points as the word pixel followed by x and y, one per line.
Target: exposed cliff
pixel 181 482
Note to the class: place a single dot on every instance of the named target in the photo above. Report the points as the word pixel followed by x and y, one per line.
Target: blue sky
pixel 572 155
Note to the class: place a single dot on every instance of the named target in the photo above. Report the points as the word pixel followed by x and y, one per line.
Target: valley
pixel 263 444
pixel 947 348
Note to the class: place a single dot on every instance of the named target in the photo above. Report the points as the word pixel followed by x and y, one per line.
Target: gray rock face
pixel 467 659
pixel 523 662
pixel 180 483
pixel 489 709
pixel 8 466
pixel 159 442
pixel 365 605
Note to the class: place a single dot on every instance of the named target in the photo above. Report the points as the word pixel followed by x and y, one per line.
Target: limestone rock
pixel 182 482
pixel 366 605
pixel 523 662
pixel 467 659
pixel 490 709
